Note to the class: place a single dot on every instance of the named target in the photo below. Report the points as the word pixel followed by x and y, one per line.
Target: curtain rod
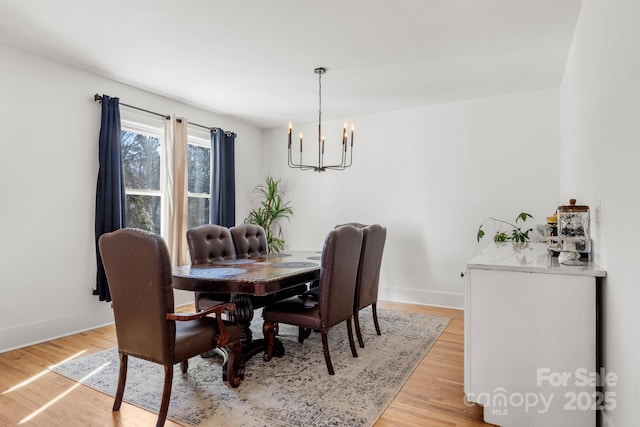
pixel 206 127
pixel 98 98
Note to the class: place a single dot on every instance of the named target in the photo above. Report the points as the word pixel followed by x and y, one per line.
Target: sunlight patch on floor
pixel 40 374
pixel 62 395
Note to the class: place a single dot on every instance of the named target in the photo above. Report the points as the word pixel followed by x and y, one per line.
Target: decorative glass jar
pixel 573 231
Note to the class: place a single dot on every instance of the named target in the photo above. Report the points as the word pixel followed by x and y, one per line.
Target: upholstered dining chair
pixel 138 271
pixel 338 272
pixel 312 292
pixel 366 294
pixel 209 243
pixel 249 240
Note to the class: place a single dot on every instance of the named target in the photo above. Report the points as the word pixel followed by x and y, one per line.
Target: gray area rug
pixel 294 390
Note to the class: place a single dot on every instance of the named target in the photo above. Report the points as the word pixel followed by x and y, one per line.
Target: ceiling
pixel 254 59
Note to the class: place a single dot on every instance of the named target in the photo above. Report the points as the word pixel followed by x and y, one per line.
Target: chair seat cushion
pixel 195 337
pixel 293 311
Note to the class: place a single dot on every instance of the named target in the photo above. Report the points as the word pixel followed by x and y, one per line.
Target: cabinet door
pixel 530 343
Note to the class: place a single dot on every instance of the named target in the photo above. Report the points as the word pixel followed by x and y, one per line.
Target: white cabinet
pixel 530 338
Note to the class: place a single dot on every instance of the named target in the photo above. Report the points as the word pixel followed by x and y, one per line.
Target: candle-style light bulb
pixel 290 128
pixel 301 142
pixel 344 134
pixel 352 129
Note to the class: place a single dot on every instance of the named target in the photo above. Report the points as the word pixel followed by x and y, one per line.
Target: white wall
pixel 430 175
pixel 601 149
pixel 49 127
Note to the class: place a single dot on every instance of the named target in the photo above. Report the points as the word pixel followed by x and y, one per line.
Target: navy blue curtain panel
pixel 110 195
pixel 223 181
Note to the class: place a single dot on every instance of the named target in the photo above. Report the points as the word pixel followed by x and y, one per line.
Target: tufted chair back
pixel 249 240
pixel 353 224
pixel 209 243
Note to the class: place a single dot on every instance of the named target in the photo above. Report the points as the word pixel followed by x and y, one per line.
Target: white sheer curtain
pixel 176 178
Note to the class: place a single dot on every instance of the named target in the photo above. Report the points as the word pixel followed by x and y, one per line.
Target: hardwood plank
pixel 433 395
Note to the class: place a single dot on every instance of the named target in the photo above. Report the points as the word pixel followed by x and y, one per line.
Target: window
pixel 142 164
pixel 144 175
pixel 199 177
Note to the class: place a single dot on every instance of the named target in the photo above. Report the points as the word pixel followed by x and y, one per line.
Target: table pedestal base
pixel 250 347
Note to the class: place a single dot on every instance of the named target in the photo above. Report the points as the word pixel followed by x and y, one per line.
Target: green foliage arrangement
pixel 271 210
pixel 516 234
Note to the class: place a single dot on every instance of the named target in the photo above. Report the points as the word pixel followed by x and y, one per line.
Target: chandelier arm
pixel 350 157
pixel 343 163
pixel 351 149
pixel 289 162
pixel 300 166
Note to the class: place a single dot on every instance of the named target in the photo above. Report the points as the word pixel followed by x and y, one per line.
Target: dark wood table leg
pixel 250 347
pixel 243 317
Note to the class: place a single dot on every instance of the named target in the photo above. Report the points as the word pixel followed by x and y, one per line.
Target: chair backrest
pixel 355 224
pixel 338 272
pixel 209 243
pixel 373 238
pixel 249 240
pixel 138 271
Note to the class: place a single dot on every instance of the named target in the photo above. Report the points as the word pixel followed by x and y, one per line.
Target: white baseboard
pixel 46 330
pixel 417 296
pixel 18 336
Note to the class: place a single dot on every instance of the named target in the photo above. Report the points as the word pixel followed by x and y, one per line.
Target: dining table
pixel 259 275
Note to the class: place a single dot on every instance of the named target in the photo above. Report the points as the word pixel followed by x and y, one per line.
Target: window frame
pixel 154 126
pixel 135 122
pixel 199 138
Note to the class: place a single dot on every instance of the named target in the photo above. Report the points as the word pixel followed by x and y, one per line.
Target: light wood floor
pixel 30 395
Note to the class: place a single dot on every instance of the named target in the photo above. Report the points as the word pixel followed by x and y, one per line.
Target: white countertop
pixel 529 258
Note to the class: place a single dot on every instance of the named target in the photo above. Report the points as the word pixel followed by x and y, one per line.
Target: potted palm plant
pixel 268 214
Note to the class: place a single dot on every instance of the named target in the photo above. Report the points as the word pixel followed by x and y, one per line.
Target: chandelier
pixel 347 148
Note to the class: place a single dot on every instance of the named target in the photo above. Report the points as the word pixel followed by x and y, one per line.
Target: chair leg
pixel 325 349
pixel 303 333
pixel 234 356
pixel 269 332
pixel 356 320
pixel 122 379
pixel 352 343
pixel 374 310
pixel 184 366
pixel 166 395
